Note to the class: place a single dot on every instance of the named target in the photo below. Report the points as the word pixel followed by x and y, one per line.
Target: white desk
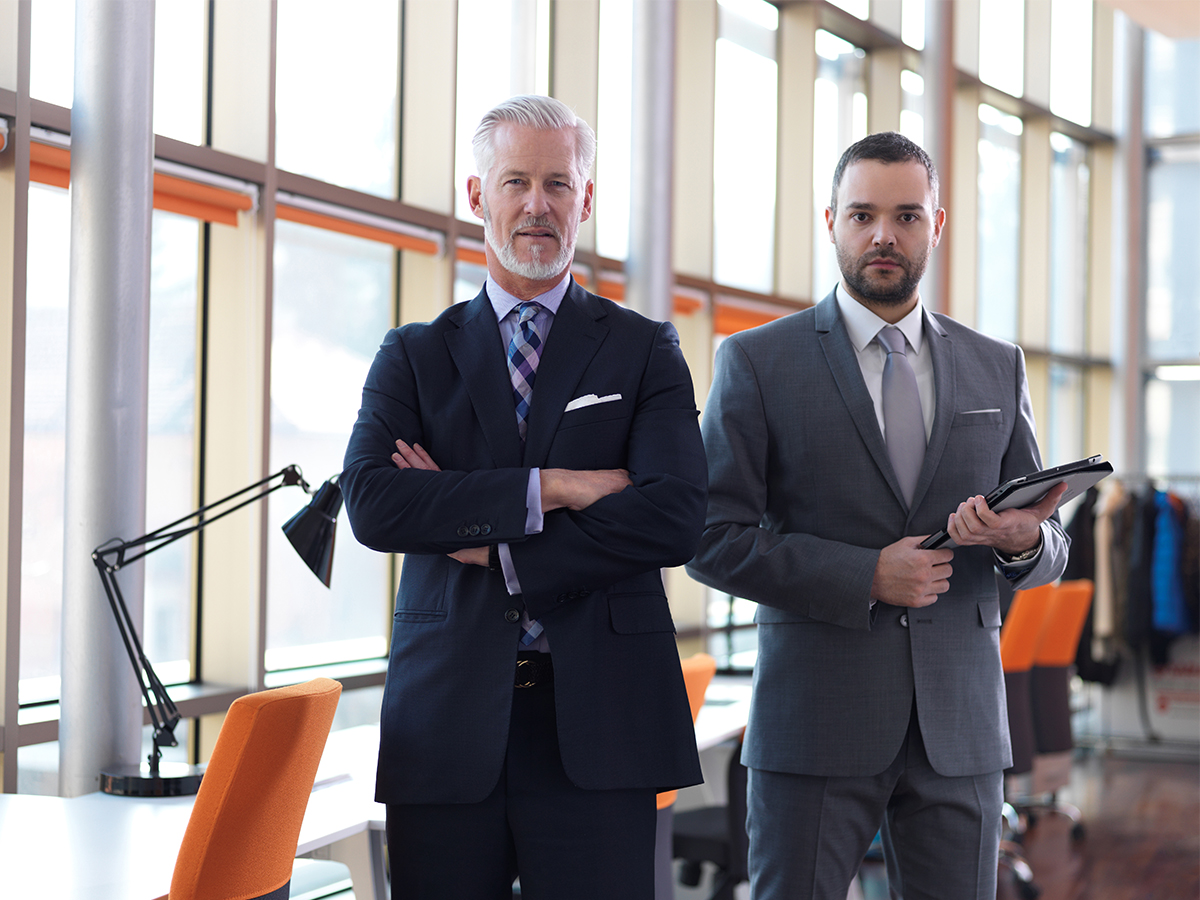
pixel 103 847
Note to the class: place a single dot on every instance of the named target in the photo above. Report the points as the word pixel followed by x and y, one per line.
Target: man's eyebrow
pixel 871 207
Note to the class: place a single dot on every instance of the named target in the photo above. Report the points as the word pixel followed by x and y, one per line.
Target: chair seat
pixel 703 834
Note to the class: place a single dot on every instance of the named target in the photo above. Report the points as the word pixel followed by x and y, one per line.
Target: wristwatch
pixel 1023 556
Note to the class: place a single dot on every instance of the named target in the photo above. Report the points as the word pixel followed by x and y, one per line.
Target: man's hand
pixel 579 488
pixel 413 457
pixel 906 575
pixel 471 556
pixel 1011 531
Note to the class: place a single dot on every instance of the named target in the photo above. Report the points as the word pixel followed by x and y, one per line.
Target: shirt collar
pixel 862 325
pixel 503 302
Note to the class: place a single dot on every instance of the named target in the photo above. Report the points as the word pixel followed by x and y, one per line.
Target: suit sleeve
pixel 654 523
pixel 396 510
pixel 800 573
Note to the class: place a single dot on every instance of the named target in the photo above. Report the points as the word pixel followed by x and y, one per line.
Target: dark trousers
pixel 941 835
pixel 563 842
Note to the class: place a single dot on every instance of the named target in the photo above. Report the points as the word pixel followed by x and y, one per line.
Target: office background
pixel 310 167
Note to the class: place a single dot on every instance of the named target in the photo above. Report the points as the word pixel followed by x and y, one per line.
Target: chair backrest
pixel 1059 636
pixel 698 671
pixel 244 828
pixel 1023 626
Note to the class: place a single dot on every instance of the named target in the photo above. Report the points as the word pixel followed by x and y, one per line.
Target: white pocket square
pixel 590 400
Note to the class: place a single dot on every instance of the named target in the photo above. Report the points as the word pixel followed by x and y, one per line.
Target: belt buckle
pixel 530 677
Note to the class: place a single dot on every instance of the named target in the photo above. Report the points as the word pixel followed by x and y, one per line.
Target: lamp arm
pixel 111 557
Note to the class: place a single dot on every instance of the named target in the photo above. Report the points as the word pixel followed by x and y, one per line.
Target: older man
pixel 536 456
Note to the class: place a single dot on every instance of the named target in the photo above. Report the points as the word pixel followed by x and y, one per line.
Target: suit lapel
pixel 847 373
pixel 576 335
pixel 942 349
pixel 476 349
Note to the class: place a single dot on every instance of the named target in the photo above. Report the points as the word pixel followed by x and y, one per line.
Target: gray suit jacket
pixel 802 498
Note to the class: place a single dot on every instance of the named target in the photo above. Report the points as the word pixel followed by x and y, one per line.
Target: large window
pixel 336 103
pixel 333 305
pixel 1002 45
pixel 840 119
pixel 999 232
pixel 1070 181
pixel 744 149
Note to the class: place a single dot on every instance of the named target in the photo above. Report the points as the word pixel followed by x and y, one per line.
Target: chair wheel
pixel 689 872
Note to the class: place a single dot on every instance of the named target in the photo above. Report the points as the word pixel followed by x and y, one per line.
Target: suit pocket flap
pixel 989 613
pixel 640 613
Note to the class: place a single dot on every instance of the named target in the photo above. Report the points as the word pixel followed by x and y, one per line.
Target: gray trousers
pixel 941 835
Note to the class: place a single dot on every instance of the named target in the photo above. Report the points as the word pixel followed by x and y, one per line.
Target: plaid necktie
pixel 524 351
pixel 903 423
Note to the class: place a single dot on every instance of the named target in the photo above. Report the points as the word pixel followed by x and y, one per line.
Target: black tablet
pixel 1017 493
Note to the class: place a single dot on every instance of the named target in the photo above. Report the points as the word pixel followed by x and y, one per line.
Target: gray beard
pixel 536 269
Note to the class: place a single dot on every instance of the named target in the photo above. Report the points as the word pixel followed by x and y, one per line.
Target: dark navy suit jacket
pixel 592 578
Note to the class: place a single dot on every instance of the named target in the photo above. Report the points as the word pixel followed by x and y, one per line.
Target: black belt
pixel 533 669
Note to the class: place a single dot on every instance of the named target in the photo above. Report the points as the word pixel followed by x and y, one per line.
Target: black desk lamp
pixel 311 532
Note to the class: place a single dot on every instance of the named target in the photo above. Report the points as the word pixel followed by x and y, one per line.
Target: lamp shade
pixel 312 530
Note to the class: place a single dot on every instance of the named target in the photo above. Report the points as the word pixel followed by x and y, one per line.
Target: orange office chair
pixel 1018 644
pixel 1050 683
pixel 241 838
pixel 698 671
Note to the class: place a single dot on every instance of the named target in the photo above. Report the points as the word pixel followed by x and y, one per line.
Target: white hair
pixel 533 111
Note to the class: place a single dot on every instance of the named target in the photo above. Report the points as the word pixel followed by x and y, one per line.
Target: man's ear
pixel 589 190
pixel 830 215
pixel 939 219
pixel 475 195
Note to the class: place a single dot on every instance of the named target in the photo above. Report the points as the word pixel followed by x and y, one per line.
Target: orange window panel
pixel 732 319
pixel 357 229
pixel 49 164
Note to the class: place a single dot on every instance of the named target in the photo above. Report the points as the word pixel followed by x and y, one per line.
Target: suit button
pixel 474 530
pixel 512 615
pixel 463 531
pixel 485 529
pixel 904 620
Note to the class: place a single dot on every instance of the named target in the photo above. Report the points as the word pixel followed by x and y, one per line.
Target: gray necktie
pixel 903 422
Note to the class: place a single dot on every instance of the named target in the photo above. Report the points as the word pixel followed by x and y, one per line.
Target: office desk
pixel 103 847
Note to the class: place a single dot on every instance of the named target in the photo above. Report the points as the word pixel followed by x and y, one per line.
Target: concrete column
pixel 650 279
pixel 107 365
pixel 939 75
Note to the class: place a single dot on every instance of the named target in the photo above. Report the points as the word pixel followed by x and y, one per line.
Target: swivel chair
pixel 717 834
pixel 241 838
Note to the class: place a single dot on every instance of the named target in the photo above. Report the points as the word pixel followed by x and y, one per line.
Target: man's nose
pixel 536 201
pixel 884 234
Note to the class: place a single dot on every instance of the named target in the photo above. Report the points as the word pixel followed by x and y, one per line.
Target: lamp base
pixel 173 780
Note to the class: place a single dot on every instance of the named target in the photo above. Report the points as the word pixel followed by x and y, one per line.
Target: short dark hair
pixel 884 147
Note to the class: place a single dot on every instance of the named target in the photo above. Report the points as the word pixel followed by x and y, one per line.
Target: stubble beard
pixel 535 269
pixel 894 293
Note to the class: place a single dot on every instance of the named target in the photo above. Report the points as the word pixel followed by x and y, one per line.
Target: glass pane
pixel 912 23
pixel 999 238
pixel 859 8
pixel 45 434
pixel 1172 426
pixel 1002 45
pixel 180 62
pixel 1172 295
pixel 336 106
pixel 912 113
pixel 1069 184
pixel 840 108
pixel 170 451
pixel 1064 427
pixel 320 353
pixel 509 31
pixel 170 477
pixel 745 118
pixel 468 280
pixel 614 145
pixel 52 51
pixel 1071 60
pixel 1172 89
